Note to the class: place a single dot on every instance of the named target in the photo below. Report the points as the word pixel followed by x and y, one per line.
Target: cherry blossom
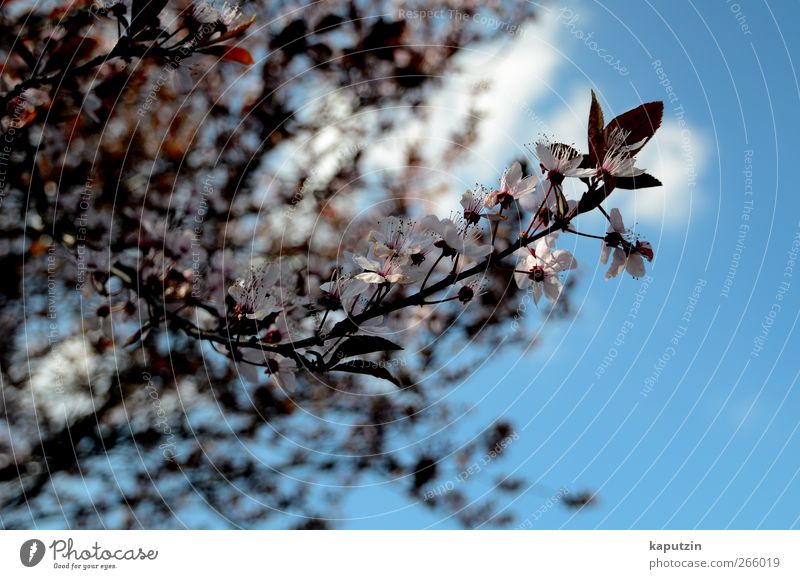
pixel 419 247
pixel 341 291
pixel 475 206
pixel 211 12
pixel 393 238
pixel 268 308
pixel 252 294
pixel 282 371
pixel 539 268
pixel 468 290
pixel 629 252
pixel 384 271
pixel 557 161
pixel 512 186
pixel 618 161
pixel 456 240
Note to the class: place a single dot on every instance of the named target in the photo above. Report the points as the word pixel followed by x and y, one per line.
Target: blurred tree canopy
pixel 150 151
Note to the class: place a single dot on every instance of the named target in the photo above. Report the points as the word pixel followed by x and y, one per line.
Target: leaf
pixel 292 39
pixel 234 32
pixel 358 345
pixel 231 53
pixel 366 367
pixel 594 197
pixel 71 51
pixel 328 23
pixel 642 123
pixel 25 54
pixel 562 207
pixel 595 132
pixel 145 12
pixel 640 182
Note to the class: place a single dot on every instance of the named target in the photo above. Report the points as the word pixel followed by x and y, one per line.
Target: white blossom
pixel 475 207
pixel 282 371
pixel 512 186
pixel 539 268
pixel 211 12
pixel 253 294
pixel 343 290
pixel 382 271
pixel 617 161
pixel 629 252
pixel 456 240
pixel 558 161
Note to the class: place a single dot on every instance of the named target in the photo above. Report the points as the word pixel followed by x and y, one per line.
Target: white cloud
pixel 517 70
pixel 675 157
pixel 520 72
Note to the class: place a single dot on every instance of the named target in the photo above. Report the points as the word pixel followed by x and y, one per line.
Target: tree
pixel 220 318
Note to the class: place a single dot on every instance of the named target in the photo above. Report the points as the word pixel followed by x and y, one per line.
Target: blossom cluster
pixel 437 259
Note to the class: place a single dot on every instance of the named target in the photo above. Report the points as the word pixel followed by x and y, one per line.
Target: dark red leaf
pixel 231 53
pixel 145 13
pixel 71 51
pixel 642 123
pixel 595 132
pixel 641 182
pixel 328 23
pixel 292 39
pixel 25 54
pixel 358 345
pixel 366 367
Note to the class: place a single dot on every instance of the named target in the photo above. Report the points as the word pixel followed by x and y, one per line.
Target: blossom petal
pixel 546 157
pixel 523 279
pixel 526 186
pixel 365 263
pixel 616 221
pixel 605 251
pixel 564 260
pixel 371 277
pixel 552 288
pixel 467 199
pixel 537 293
pixel 625 168
pixel 635 265
pixel 398 278
pixel 570 168
pixel 433 223
pixel 474 251
pixel 351 287
pixel 236 291
pixel 511 177
pixel 580 173
pixel 617 264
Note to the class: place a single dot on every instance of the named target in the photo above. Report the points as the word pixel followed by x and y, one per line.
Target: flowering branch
pixel 263 312
pixel 204 31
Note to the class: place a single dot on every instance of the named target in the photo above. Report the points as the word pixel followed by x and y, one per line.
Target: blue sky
pixel 673 397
